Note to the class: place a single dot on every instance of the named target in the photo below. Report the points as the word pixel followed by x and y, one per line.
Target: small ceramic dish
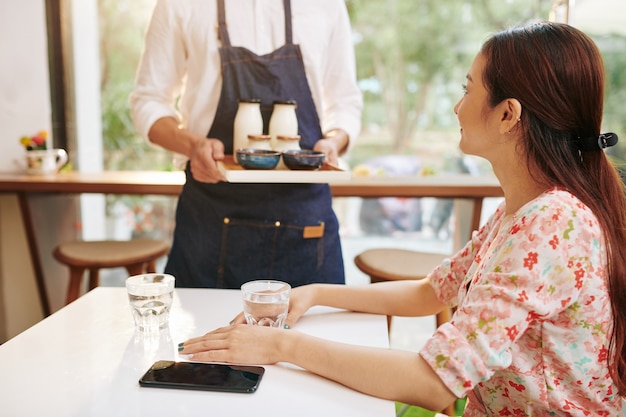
pixel 257 158
pixel 303 159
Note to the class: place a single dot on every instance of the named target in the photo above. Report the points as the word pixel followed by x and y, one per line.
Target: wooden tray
pixel 235 173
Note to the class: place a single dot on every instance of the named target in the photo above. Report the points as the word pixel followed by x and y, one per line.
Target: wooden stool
pixel 136 255
pixel 399 264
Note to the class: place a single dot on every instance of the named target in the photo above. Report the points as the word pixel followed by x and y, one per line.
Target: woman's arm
pixel 395 298
pixel 391 374
pixel 398 298
pixel 394 375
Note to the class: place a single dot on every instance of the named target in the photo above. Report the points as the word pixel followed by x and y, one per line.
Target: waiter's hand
pixel 202 152
pixel 203 160
pixel 330 150
pixel 332 144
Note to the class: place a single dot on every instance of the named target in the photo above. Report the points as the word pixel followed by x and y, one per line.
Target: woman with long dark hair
pixel 539 291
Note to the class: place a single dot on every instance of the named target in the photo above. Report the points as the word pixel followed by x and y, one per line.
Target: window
pixel 412 57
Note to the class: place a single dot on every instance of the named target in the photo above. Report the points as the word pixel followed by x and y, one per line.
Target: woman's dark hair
pixel 556 72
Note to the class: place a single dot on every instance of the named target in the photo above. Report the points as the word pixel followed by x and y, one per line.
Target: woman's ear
pixel 511 110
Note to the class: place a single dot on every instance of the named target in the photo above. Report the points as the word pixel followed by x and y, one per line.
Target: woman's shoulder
pixel 557 210
pixel 553 202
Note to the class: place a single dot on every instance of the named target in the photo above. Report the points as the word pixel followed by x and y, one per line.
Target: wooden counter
pixel 170 183
pixel 463 188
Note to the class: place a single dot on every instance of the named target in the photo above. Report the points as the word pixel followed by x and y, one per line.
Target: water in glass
pixel 266 303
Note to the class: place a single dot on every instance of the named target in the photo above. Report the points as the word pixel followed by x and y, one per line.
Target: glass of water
pixel 266 302
pixel 150 297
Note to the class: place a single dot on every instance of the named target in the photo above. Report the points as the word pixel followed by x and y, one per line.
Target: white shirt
pixel 181 57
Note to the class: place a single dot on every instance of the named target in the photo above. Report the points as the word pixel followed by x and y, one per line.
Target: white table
pixel 86 359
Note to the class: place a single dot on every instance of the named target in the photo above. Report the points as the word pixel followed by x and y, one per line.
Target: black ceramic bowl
pixel 257 158
pixel 304 159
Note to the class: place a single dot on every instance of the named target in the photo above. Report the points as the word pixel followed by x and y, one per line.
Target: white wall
pixel 24 110
pixel 24 84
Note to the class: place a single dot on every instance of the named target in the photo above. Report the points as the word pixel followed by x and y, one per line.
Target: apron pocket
pixel 269 250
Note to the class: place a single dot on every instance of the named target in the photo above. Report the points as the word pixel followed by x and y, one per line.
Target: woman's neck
pixel 519 187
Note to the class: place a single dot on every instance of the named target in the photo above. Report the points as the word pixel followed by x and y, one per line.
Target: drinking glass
pixel 150 297
pixel 266 302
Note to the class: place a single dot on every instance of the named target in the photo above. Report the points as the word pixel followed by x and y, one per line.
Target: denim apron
pixel 230 233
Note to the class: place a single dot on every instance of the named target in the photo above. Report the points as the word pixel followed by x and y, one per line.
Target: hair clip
pixel 607 139
pixel 595 143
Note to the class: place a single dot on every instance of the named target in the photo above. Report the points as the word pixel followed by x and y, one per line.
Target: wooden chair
pixel 136 255
pixel 391 264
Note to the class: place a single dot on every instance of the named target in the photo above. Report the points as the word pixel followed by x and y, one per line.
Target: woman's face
pixel 479 122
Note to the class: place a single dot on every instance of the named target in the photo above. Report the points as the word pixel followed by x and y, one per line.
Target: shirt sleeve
pixel 532 270
pixel 342 98
pixel 159 79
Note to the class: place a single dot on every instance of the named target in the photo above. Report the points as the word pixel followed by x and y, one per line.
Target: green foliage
pixel 613 47
pixel 122 24
pixel 412 57
pixel 402 410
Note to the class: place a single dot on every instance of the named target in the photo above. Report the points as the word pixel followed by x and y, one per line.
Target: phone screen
pixel 203 376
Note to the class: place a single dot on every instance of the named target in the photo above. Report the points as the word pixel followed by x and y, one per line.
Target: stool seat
pixel 391 264
pixel 136 255
pixel 394 264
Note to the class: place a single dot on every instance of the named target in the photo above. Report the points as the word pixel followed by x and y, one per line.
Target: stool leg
pixel 135 269
pixel 443 316
pixel 151 266
pixel 94 278
pixel 76 278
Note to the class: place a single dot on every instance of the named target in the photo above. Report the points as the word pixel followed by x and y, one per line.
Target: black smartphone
pixel 203 376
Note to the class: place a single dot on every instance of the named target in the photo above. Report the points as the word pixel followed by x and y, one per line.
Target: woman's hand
pixel 240 343
pixel 301 299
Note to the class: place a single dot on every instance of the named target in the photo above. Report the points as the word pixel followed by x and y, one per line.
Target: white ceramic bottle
pixel 259 142
pixel 248 121
pixel 285 143
pixel 283 121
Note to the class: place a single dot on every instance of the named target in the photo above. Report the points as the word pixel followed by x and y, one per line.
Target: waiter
pixel 200 58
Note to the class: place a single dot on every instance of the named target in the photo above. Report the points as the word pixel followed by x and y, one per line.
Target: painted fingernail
pixel 181 346
pixel 287 327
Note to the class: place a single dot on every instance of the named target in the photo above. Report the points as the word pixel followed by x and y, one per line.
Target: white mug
pixel 45 162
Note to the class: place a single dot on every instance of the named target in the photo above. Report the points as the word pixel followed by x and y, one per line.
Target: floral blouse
pixel 530 333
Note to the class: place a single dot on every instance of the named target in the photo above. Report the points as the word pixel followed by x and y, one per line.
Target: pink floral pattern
pixel 529 336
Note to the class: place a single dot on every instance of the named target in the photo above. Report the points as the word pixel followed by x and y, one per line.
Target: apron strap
pixel 287 8
pixel 223 31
